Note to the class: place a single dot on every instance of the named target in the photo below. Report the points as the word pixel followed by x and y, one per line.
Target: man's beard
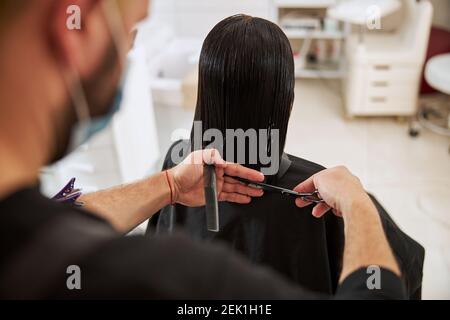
pixel 100 91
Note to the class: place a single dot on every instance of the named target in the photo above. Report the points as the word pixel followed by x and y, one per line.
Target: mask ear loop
pixel 80 104
pixel 77 95
pixel 116 26
pixel 73 79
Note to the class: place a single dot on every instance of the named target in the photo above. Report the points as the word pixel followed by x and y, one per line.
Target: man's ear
pixel 78 33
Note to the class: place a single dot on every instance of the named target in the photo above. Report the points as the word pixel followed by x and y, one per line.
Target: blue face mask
pixel 88 127
pixel 100 123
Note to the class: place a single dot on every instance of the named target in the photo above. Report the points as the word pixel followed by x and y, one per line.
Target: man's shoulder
pixel 175 266
pixel 27 212
pixel 148 267
pixel 40 239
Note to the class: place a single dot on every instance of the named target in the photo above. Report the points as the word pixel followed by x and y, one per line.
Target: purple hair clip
pixel 69 194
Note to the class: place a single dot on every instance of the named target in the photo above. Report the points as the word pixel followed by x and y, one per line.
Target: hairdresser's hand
pixel 340 189
pixel 187 180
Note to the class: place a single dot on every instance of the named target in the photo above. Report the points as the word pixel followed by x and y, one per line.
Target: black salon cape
pixel 273 232
pixel 40 239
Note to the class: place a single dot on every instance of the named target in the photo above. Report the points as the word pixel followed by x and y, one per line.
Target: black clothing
pixel 272 231
pixel 40 238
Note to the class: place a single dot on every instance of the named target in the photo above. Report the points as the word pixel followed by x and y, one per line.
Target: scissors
pixel 313 197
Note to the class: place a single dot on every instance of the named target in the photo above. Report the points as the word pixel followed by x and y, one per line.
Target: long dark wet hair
pixel 246 79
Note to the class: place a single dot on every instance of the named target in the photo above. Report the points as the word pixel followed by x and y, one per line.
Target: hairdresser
pixel 57 87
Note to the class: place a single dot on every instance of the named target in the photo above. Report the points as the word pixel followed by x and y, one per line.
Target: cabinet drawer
pixel 385 89
pixel 390 106
pixel 382 73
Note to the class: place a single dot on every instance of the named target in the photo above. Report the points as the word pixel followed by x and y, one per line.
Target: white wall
pixel 195 18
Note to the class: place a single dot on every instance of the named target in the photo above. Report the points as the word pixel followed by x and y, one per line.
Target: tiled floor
pixel 410 177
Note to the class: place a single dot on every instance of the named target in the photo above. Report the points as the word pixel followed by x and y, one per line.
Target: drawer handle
pixel 380 84
pixel 382 67
pixel 378 99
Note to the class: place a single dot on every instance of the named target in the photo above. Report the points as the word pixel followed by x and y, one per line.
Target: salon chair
pixel 435 114
pixel 437 118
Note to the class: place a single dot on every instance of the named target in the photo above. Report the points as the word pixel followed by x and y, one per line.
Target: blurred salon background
pixel 372 93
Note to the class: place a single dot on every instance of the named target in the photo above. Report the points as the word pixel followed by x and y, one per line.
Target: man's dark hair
pixel 246 78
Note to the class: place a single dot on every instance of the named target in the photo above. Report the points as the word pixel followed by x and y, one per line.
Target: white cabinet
pixel 316 40
pixel 382 89
pixel 384 68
